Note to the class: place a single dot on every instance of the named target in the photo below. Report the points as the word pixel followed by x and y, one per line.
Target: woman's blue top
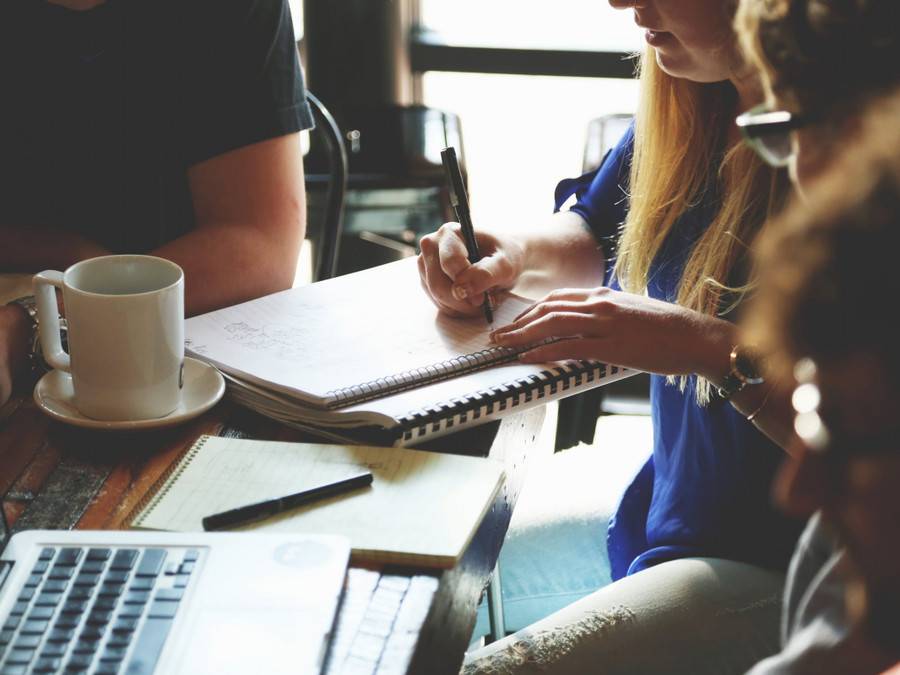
pixel 706 489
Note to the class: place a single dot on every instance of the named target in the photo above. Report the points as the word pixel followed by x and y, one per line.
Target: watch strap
pixel 38 365
pixel 730 386
pixel 744 370
pixel 28 303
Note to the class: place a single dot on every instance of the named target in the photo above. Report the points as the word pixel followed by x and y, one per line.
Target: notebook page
pixel 422 507
pixel 317 339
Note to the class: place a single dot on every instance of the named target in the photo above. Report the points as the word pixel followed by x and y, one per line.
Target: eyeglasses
pixel 768 132
pixel 830 441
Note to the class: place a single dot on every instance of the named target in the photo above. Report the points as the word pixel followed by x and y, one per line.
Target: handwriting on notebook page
pixel 333 335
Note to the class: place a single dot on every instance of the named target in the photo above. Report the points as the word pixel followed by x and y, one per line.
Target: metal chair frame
pixel 328 248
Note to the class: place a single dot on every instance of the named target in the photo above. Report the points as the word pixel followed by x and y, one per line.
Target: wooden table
pixel 59 477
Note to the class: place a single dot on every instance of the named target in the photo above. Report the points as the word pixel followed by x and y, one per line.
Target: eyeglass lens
pixel 776 149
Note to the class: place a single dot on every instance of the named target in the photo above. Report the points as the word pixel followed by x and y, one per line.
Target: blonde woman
pixel 696 550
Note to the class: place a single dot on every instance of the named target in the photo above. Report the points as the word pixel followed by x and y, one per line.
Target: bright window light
pixel 535 24
pixel 522 134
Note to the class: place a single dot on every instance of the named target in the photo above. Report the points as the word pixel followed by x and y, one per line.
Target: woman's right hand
pixel 455 285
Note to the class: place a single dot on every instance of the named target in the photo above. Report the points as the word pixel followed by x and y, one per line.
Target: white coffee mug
pixel 125 317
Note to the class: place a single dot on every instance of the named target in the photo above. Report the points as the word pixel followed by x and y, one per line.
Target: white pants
pixel 694 616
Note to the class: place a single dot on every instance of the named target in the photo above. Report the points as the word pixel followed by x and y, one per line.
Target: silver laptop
pixel 159 602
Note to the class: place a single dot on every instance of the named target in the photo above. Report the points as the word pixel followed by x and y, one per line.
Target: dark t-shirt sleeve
pixel 601 195
pixel 241 78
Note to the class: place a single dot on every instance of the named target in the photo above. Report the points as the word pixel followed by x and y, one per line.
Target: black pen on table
pixel 460 201
pixel 271 507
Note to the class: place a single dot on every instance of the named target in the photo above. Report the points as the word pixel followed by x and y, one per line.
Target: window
pixel 296 7
pixel 590 25
pixel 523 133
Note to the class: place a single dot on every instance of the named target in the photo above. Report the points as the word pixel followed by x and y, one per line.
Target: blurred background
pixel 514 84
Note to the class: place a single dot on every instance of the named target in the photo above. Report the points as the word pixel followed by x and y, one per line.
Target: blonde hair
pixel 681 158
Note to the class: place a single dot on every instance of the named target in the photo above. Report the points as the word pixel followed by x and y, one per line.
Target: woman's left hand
pixel 622 329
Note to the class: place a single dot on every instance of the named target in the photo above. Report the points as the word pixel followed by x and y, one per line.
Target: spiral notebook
pixel 368 352
pixel 422 508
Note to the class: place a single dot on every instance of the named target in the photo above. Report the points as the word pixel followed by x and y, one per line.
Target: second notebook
pixel 422 507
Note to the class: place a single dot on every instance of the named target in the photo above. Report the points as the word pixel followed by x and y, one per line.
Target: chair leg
pixel 496 621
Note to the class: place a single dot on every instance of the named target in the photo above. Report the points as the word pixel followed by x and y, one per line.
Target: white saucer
pixel 203 387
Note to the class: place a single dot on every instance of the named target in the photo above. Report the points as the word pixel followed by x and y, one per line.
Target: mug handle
pixel 44 285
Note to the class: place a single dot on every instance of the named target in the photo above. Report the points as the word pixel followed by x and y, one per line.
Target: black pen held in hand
pixel 460 201
pixel 271 507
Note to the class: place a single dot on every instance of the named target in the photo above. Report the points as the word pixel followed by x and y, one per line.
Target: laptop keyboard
pixel 95 610
pixel 380 619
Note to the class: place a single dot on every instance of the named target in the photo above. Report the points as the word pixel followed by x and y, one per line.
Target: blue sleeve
pixel 601 195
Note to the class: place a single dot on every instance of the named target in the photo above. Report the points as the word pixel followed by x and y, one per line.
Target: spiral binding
pixel 164 483
pixel 487 402
pixel 418 377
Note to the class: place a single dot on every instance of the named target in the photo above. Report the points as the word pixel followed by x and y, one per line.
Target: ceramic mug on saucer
pixel 125 317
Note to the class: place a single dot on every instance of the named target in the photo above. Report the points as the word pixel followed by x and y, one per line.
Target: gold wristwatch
pixel 744 369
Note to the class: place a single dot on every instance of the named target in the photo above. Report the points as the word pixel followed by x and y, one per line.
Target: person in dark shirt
pixel 168 127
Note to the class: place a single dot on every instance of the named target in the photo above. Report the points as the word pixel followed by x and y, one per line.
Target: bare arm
pixel 250 212
pixel 768 403
pixel 36 248
pixel 562 252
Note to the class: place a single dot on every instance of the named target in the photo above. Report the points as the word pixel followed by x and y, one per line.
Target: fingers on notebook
pixel 557 324
pixel 563 350
pixel 523 327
